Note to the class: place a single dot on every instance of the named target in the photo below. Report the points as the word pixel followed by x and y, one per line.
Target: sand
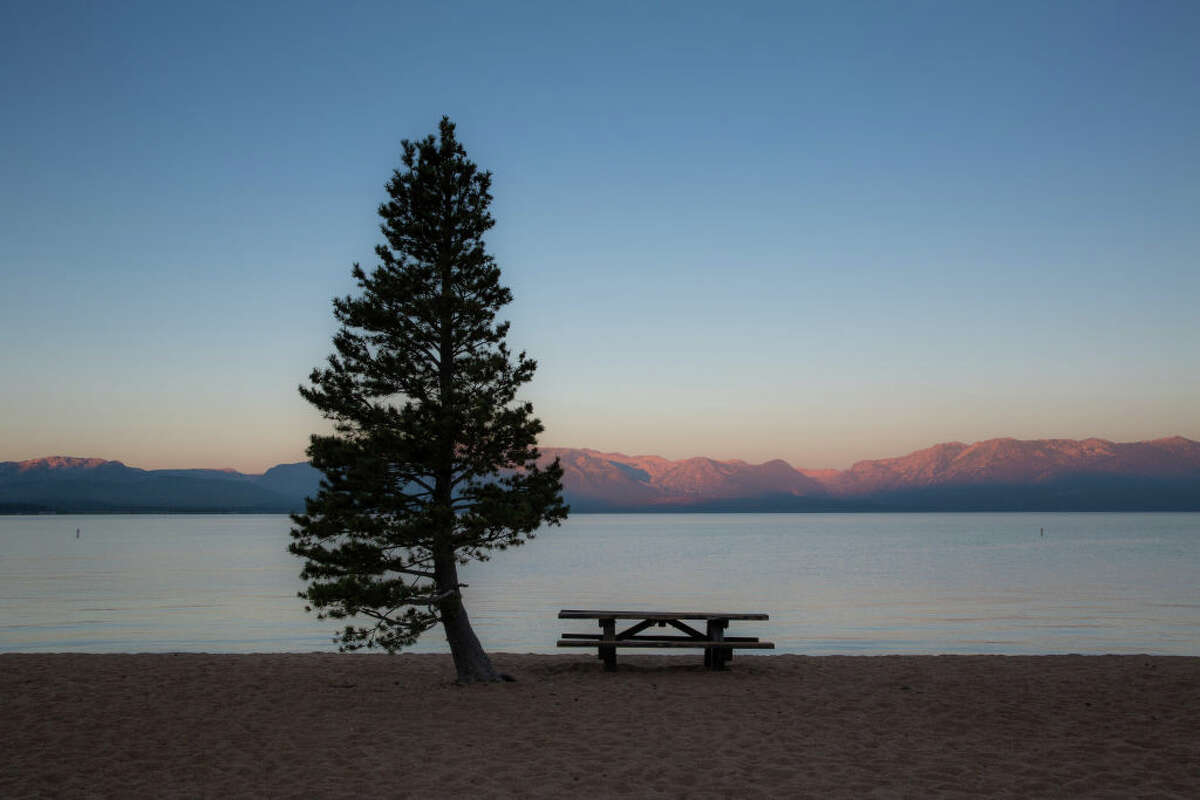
pixel 328 726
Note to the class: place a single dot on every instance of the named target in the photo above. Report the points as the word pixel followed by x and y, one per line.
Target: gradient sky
pixel 814 231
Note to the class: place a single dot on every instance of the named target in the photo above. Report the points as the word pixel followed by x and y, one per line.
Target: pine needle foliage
pixel 432 461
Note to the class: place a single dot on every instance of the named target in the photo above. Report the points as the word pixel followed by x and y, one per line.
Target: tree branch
pixel 418 573
pixel 436 598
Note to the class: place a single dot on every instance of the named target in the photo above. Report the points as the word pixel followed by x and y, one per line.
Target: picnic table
pixel 718 648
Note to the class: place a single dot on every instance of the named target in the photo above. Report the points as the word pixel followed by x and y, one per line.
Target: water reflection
pixel 947 583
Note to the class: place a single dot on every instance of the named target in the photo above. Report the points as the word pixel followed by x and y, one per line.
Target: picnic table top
pixel 571 613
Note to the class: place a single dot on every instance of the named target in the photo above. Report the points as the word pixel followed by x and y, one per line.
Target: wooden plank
pixel 632 629
pixel 595 637
pixel 688 629
pixel 660 643
pixel 571 613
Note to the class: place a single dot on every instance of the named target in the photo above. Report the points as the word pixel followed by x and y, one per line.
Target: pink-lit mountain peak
pixel 72 464
pixel 621 479
pixel 1016 460
pixel 62 463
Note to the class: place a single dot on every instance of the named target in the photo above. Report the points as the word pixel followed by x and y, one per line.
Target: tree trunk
pixel 470 661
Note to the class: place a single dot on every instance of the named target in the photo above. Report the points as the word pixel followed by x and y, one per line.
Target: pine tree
pixel 432 460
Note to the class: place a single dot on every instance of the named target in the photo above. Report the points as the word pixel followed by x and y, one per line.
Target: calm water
pixel 832 583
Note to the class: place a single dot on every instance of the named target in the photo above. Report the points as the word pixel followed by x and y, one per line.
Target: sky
pixel 821 232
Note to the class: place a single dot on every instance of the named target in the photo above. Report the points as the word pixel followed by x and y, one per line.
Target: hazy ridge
pixel 993 475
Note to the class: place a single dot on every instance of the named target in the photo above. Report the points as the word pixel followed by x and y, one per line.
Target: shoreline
pixel 368 725
pixel 141 511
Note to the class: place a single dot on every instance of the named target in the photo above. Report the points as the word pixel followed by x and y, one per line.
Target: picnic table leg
pixel 710 653
pixel 715 656
pixel 608 652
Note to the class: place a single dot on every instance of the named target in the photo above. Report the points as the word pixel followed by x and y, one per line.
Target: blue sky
pixel 815 231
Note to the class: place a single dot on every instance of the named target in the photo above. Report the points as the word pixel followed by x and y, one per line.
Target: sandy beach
pixel 324 725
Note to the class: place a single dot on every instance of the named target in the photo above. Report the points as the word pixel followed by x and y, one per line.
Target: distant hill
pixel 995 475
pixel 93 485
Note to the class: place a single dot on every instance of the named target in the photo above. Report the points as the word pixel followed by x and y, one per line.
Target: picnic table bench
pixel 718 648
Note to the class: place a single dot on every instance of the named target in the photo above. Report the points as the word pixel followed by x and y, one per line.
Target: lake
pixel 832 583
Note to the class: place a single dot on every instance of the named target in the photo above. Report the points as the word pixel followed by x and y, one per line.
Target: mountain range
pixel 93 485
pixel 994 475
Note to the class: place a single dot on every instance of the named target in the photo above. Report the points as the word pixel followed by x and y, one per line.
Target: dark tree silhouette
pixel 432 462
